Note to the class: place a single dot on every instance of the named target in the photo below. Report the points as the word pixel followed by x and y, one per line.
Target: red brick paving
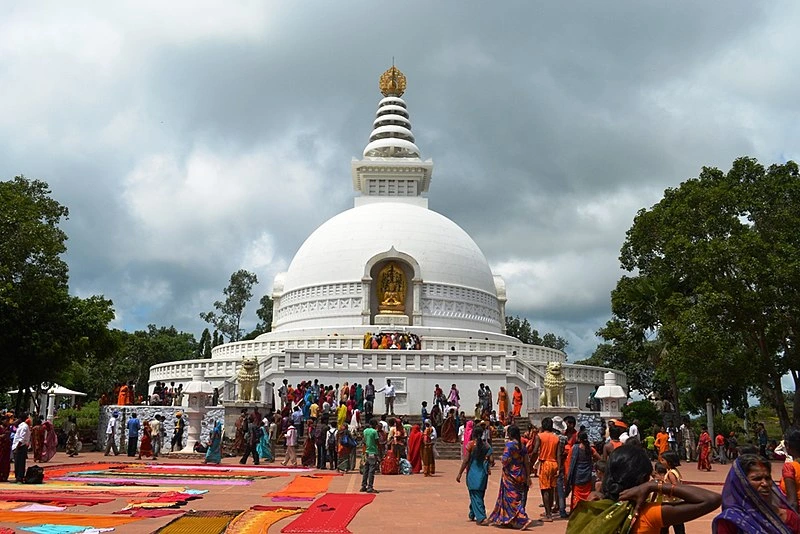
pixel 418 503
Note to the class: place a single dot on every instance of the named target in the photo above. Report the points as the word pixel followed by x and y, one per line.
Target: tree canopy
pixel 712 306
pixel 42 327
pixel 521 329
pixel 228 316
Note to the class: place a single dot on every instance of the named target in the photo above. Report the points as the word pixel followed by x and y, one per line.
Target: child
pixel 600 471
pixel 659 472
pixel 424 413
pixel 671 461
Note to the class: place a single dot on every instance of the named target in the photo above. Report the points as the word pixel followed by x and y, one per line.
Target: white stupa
pixel 391 265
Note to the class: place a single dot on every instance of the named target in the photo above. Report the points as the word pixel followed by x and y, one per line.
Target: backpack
pixel 34 475
pixel 330 441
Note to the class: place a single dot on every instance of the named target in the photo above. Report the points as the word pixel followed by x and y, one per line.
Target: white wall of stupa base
pixel 448 356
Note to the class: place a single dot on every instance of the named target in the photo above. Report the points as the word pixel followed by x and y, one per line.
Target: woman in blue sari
pixel 476 461
pixel 752 502
pixel 308 400
pixel 214 451
pixel 509 511
pixel 359 398
pixel 264 447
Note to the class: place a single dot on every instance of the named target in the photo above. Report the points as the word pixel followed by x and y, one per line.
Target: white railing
pixel 388 361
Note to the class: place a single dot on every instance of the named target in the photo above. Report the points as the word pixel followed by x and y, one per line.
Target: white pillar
pixel 51 405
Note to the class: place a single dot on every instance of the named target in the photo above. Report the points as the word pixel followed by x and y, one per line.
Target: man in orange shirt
pixel 548 449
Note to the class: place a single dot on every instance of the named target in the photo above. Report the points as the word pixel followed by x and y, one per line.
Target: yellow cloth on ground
pixel 201 522
pixel 259 521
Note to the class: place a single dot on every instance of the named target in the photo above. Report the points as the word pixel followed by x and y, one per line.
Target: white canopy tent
pixel 47 398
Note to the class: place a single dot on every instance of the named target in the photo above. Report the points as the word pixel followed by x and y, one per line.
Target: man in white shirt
pixel 155 435
pixel 291 444
pixel 633 430
pixel 19 447
pixel 111 433
pixel 389 394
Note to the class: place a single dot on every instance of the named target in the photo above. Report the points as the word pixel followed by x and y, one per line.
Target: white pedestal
pixel 391 320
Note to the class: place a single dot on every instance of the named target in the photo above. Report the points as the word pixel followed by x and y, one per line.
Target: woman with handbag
pixel 346 444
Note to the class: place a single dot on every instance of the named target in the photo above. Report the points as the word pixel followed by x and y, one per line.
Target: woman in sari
pixel 5 449
pixel 266 442
pixel 399 439
pixel 449 432
pixel 509 511
pixel 632 501
pixel 71 428
pixel 37 441
pixel 502 405
pixel 704 450
pixel 359 398
pixel 309 457
pixel 146 444
pixel 343 449
pixel 341 416
pixel 50 441
pixel 214 451
pixel 476 462
pixel 427 456
pixel 390 465
pixel 453 399
pixel 307 402
pixel 579 473
pixel 467 438
pixel 415 449
pixel 751 501
pixel 517 402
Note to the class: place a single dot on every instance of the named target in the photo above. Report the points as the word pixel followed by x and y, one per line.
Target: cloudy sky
pixel 193 139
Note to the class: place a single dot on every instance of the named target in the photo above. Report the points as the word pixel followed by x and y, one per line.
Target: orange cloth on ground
pixel 304 487
pixel 61 518
pixel 650 519
pixel 258 521
pixel 548 469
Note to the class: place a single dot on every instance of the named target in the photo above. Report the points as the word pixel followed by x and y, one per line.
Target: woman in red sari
pixel 146 445
pixel 37 441
pixel 5 449
pixel 449 432
pixel 415 449
pixel 517 402
pixel 50 441
pixel 704 450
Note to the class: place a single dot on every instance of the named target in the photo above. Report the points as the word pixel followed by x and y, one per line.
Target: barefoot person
pixel 509 510
pixel 476 463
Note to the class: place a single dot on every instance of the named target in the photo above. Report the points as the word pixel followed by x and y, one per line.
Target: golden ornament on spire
pixel 392 82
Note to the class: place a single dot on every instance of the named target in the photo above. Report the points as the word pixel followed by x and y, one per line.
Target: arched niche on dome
pixel 392 280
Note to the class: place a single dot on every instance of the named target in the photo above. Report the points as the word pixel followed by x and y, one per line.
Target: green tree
pixel 264 314
pixel 42 327
pixel 521 329
pixel 554 342
pixel 228 316
pixel 717 265
pixel 204 346
pixel 643 411
pixel 134 354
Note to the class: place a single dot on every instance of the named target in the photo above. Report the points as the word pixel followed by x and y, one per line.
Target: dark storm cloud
pixel 193 140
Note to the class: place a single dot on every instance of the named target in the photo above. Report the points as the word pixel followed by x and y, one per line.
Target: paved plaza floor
pixel 413 503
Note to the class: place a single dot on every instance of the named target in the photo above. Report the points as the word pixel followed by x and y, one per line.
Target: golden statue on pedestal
pixel 391 289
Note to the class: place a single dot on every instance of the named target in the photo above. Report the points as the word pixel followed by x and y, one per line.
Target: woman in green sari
pixel 214 451
pixel 264 446
pixel 631 502
pixel 476 463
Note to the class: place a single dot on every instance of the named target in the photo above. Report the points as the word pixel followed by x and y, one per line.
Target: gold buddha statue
pixel 391 289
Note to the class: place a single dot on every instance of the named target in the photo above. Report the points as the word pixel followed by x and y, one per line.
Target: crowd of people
pixel 394 340
pixel 32 433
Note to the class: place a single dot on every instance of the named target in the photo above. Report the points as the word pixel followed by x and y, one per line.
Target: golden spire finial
pixel 392 82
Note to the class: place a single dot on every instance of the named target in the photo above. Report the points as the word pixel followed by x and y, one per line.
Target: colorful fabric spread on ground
pixel 330 514
pixel 303 488
pixel 63 518
pixel 510 508
pixel 258 519
pixel 206 522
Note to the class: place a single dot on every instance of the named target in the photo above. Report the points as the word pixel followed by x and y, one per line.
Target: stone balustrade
pixel 220 369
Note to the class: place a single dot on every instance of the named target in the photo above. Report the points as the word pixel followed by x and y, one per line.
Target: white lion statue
pixel 248 378
pixel 554 387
